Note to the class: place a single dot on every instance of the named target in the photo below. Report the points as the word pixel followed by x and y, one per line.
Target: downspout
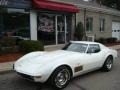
pixel 85 36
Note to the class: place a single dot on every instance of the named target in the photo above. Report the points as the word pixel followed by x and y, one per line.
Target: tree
pixel 79 31
pixel 110 3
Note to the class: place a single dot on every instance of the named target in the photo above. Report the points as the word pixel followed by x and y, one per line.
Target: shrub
pixel 7 45
pixel 8 42
pixel 27 46
pixel 79 31
pixel 7 50
pixel 107 40
pixel 0 47
pixel 111 40
pixel 101 40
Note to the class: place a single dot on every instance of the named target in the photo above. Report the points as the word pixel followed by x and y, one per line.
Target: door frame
pixel 56 29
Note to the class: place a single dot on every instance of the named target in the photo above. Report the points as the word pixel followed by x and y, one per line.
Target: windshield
pixel 76 47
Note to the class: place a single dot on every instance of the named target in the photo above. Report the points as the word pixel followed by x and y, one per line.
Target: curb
pixel 6 67
pixel 6 71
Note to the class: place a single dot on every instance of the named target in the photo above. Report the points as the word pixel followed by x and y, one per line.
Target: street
pixel 96 80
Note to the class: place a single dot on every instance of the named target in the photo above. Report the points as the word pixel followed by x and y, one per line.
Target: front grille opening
pixel 26 76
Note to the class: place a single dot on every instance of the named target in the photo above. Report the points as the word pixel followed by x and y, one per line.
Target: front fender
pixel 49 69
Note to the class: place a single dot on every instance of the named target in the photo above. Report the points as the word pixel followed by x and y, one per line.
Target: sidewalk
pixel 8 66
pixel 117 47
pixel 4 67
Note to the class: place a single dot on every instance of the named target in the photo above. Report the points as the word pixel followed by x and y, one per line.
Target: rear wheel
pixel 108 64
pixel 60 77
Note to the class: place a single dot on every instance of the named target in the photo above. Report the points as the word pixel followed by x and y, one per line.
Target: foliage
pixel 8 42
pixel 106 40
pixel 101 40
pixel 110 3
pixel 111 40
pixel 6 50
pixel 8 45
pixel 79 31
pixel 27 46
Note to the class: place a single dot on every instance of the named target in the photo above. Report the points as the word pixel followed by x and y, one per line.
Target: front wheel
pixel 108 64
pixel 60 77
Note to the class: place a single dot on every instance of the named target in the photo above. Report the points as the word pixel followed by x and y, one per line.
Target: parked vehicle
pixel 58 67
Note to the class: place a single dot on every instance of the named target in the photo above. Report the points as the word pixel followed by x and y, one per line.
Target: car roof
pixel 84 42
pixel 89 42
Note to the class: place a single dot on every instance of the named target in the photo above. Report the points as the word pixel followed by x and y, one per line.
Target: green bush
pixel 6 50
pixel 102 40
pixel 8 42
pixel 111 40
pixel 8 45
pixel 27 46
pixel 0 47
pixel 107 40
pixel 79 31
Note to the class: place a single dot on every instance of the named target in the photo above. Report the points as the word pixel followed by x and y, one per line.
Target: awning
pixel 56 6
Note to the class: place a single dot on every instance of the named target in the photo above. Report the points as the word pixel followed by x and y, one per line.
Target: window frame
pixel 58 35
pixel 102 24
pixel 68 45
pixel 93 52
pixel 89 21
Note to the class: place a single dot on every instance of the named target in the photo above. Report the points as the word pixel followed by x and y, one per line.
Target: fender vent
pixel 78 68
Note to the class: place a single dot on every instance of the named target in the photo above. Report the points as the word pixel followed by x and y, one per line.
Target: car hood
pixel 34 60
pixel 47 57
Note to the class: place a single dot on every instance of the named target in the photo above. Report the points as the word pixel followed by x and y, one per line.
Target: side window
pixel 102 24
pixel 89 24
pixel 93 48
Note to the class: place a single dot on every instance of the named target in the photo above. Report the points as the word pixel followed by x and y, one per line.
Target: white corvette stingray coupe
pixel 58 67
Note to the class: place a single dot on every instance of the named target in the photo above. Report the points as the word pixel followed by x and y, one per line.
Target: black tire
pixel 60 78
pixel 108 64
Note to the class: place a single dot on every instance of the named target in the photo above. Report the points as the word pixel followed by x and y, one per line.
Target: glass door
pixel 61 29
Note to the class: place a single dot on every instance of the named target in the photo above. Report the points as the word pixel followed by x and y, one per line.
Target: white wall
pixel 116 30
pixel 33 25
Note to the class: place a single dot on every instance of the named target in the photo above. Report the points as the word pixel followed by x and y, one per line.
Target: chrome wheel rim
pixel 62 78
pixel 109 64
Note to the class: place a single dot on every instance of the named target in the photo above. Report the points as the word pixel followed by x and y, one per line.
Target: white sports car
pixel 58 67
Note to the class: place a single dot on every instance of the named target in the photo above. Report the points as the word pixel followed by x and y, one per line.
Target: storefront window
pixel 46 28
pixel 54 29
pixel 15 23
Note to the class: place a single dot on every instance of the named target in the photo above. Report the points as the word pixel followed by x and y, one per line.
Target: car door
pixel 93 57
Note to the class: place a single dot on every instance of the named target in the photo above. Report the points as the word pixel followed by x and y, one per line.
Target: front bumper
pixel 24 75
pixel 28 77
pixel 31 76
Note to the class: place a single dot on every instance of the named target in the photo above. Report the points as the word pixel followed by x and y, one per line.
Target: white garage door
pixel 116 30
